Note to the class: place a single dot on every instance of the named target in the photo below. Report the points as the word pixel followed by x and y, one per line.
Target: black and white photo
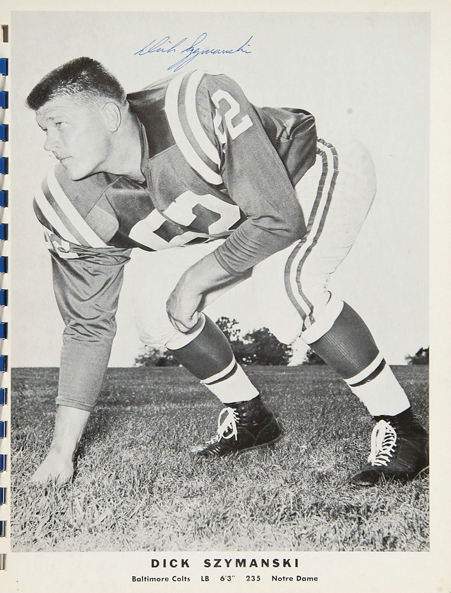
pixel 220 293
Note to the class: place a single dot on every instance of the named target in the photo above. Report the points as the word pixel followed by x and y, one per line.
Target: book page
pixel 342 109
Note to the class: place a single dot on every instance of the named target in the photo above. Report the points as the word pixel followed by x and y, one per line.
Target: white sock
pixel 231 384
pixel 383 395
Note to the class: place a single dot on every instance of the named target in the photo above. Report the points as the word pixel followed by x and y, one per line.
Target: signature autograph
pixel 189 52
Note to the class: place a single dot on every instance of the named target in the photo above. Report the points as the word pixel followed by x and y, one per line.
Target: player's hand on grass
pixel 58 465
pixel 55 468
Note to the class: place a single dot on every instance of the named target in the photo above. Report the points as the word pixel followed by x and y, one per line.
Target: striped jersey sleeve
pixel 188 111
pixel 222 138
pixel 87 278
pixel 87 291
pixel 57 213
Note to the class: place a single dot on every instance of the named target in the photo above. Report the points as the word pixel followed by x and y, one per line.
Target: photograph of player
pixel 189 191
pixel 186 160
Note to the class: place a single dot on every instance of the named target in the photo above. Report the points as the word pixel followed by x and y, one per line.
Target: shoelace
pixel 227 420
pixel 383 442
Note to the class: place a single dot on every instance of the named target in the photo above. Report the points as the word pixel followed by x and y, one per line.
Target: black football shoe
pixel 399 450
pixel 241 426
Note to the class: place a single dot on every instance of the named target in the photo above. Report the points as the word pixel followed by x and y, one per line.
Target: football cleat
pixel 399 450
pixel 241 426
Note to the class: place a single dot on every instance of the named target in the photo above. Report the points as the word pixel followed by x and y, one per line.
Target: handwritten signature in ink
pixel 188 52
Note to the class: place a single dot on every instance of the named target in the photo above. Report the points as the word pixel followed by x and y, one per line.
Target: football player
pixel 242 194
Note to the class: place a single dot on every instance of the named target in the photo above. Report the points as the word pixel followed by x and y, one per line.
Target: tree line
pixel 256 347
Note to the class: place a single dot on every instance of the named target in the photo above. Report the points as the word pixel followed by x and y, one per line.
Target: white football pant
pixel 290 288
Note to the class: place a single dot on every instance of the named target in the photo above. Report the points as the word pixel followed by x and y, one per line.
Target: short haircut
pixel 79 76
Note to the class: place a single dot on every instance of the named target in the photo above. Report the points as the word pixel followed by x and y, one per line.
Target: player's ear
pixel 112 115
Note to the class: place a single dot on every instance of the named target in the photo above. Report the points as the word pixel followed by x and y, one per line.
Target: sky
pixel 367 73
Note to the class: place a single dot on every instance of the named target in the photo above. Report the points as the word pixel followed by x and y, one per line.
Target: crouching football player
pixel 242 194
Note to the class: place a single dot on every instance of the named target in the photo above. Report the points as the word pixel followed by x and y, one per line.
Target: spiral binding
pixel 4 405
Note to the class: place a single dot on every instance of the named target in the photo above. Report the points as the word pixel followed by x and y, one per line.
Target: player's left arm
pixel 258 183
pixel 186 299
pixel 256 179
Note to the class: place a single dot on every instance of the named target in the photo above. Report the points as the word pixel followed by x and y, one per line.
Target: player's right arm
pixel 87 289
pixel 87 283
pixel 87 279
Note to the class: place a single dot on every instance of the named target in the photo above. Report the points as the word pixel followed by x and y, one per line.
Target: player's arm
pixel 255 178
pixel 87 283
pixel 87 291
pixel 191 291
pixel 87 278
pixel 257 182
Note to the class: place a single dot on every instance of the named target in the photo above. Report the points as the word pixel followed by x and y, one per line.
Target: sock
pixel 209 357
pixel 349 348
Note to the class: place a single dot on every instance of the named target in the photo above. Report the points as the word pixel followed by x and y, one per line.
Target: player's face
pixel 76 133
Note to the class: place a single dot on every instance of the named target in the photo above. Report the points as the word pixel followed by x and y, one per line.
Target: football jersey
pixel 214 166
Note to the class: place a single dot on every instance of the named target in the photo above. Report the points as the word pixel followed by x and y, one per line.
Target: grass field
pixel 137 487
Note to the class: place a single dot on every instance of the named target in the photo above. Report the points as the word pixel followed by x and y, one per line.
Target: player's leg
pixel 245 421
pixel 338 334
pixel 399 443
pixel 344 191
